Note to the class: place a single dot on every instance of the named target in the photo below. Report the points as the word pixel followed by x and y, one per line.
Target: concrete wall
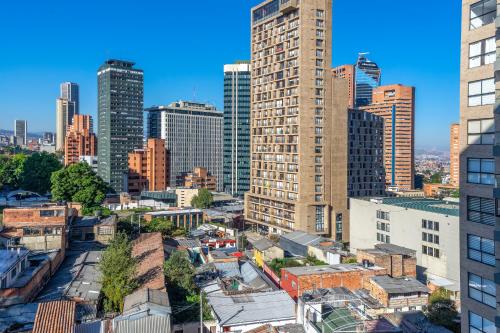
pixel 406 230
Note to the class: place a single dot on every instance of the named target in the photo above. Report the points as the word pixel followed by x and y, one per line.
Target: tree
pixel 162 225
pixel 11 170
pixel 203 200
pixel 441 310
pixel 37 172
pixel 179 272
pixel 118 269
pixel 436 178
pixel 78 183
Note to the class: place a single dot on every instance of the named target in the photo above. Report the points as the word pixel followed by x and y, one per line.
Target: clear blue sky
pixel 182 46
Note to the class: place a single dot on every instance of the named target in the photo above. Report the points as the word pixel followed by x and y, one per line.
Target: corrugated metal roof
pixel 55 317
pixel 263 244
pixel 94 327
pixel 151 324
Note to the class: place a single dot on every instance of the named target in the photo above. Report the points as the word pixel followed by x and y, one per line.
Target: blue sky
pixel 183 45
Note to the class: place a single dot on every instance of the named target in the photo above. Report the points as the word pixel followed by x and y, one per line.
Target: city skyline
pixel 190 76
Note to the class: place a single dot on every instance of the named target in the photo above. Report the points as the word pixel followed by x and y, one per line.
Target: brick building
pixel 148 250
pixel 200 178
pixel 297 280
pixel 455 154
pixel 80 140
pixel 347 72
pixel 398 261
pixel 148 169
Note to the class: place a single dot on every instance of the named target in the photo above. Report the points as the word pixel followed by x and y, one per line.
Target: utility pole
pixel 201 310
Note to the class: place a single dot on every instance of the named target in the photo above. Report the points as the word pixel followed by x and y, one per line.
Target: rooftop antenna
pixel 194 93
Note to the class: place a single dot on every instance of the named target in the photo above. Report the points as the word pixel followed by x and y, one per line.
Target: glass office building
pixel 367 77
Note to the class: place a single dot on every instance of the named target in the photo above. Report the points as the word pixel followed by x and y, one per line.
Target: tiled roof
pixel 148 250
pixel 55 317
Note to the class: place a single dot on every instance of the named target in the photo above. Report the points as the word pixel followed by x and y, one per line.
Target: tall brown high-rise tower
pixel 293 126
pixel 454 154
pixel 80 139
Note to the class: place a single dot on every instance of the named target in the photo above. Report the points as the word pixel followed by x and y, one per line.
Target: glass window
pixel 482 290
pixel 480 171
pixel 481 249
pixel 482 92
pixel 481 210
pixel 480 131
pixel 482 52
pixel 482 13
pixel 478 324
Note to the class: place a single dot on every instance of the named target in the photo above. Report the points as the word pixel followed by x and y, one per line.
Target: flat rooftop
pixel 399 285
pixel 423 204
pixel 9 258
pixel 175 211
pixel 329 269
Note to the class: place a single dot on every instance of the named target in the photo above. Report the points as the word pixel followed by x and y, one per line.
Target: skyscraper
pixel 71 92
pixel 347 72
pixel 454 154
pixel 396 104
pixel 479 160
pixel 193 136
pixel 367 78
pixel 80 140
pixel 298 179
pixel 65 111
pixel 120 125
pixel 21 132
pixel 237 128
pixel 366 173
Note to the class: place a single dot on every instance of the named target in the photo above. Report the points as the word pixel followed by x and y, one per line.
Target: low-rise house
pixel 302 244
pixel 23 274
pixel 414 322
pixel 38 228
pixel 93 228
pixel 265 250
pixel 55 317
pixel 297 280
pixel 398 294
pixel 399 261
pixel 181 217
pixel 146 311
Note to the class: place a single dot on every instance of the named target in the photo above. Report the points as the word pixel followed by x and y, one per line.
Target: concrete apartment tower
pixel 347 72
pixel 298 178
pixel 237 128
pixel 67 105
pixel 454 154
pixel 80 140
pixel 396 104
pixel 479 163
pixel 21 132
pixel 120 123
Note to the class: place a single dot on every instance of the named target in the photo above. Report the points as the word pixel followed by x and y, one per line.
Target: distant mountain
pixel 31 135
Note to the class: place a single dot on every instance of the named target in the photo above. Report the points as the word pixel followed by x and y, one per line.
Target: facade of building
pixel 21 132
pixel 427 226
pixel 182 218
pixel 479 163
pixel 366 173
pixel 396 104
pixel 346 72
pixel 367 76
pixel 71 92
pixel 200 178
pixel 237 128
pixel 148 168
pixel 120 112
pixel 67 106
pixel 80 140
pixel 455 154
pixel 185 196
pixel 298 180
pixel 193 136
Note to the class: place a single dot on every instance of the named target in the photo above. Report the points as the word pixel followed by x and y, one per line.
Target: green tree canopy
pixel 441 309
pixel 118 269
pixel 38 169
pixel 203 200
pixel 436 178
pixel 179 271
pixel 78 183
pixel 11 170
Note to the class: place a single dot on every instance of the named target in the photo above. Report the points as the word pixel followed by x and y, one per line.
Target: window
pixel 482 92
pixel 480 132
pixel 481 210
pixel 320 218
pixel 481 249
pixel 482 52
pixel 105 230
pixel 480 171
pixel 482 13
pixel 383 215
pixel 482 290
pixel 478 324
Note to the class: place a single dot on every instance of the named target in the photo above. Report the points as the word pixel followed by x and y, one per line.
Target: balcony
pixel 287 6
